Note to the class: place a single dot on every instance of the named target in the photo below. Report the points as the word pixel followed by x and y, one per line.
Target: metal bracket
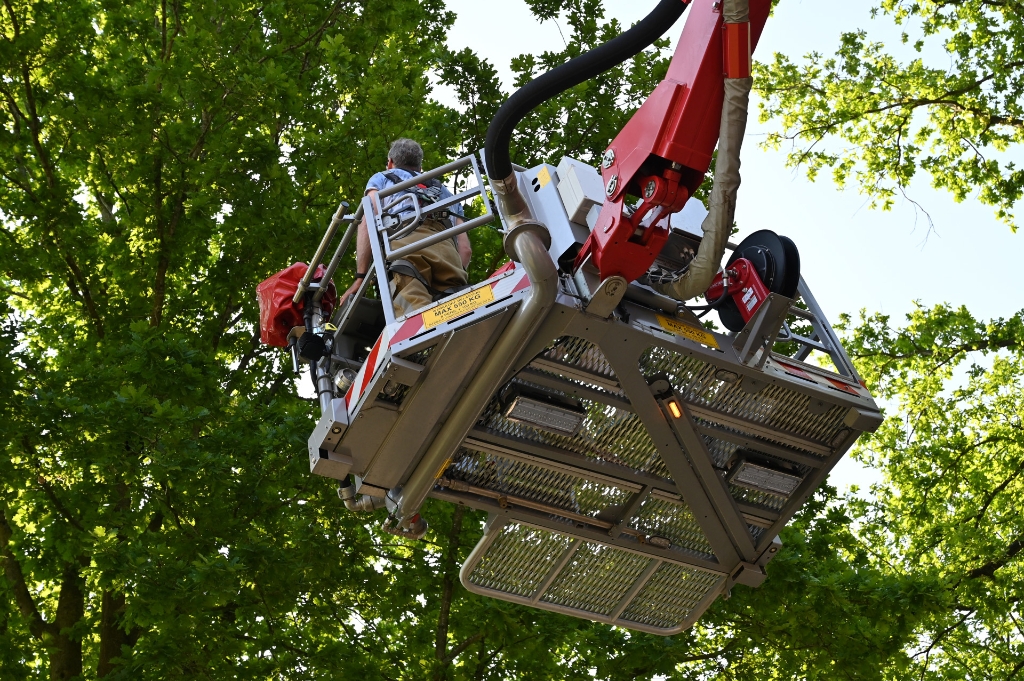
pixel 323 460
pixel 607 296
pixel 760 333
pixel 748 575
pixel 403 371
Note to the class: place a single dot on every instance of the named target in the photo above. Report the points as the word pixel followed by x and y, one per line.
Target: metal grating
pixel 607 434
pixel 581 354
pixel 670 596
pixel 774 406
pixel 671 518
pixel 518 560
pixel 529 481
pixel 757 497
pixel 596 579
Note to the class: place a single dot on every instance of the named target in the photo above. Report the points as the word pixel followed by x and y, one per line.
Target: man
pixel 439 267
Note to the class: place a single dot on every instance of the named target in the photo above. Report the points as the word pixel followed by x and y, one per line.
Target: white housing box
pixel 581 188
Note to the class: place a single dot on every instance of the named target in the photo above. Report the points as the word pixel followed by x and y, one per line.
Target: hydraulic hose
pixel 556 81
pixel 722 202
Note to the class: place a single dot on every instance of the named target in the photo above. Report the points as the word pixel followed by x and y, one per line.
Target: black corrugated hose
pixel 569 74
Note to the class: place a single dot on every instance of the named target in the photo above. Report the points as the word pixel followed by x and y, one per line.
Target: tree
pixel 951 451
pixel 953 457
pixel 876 118
pixel 156 161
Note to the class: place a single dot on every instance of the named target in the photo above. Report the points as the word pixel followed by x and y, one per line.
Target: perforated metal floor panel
pixel 544 569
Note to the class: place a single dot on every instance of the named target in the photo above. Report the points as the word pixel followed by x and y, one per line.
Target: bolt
pixel 608 159
pixel 649 189
pixel 613 183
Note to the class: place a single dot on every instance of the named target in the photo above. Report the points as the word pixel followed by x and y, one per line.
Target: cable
pixel 497 151
pixel 711 306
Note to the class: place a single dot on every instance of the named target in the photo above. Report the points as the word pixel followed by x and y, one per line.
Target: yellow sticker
pixel 694 333
pixel 467 302
pixel 544 176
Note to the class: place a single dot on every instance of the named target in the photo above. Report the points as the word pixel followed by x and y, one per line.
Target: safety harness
pixel 426 193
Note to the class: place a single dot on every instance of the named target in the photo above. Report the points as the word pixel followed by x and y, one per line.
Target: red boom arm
pixel 664 151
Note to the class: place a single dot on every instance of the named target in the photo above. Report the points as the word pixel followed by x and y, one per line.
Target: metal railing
pixel 410 216
pixel 383 232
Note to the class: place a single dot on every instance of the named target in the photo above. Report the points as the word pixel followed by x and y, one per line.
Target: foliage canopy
pixel 948 101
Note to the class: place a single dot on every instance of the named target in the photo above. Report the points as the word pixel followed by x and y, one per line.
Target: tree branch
pixel 16 580
pixel 57 504
pixel 459 649
pixel 84 292
pixel 989 568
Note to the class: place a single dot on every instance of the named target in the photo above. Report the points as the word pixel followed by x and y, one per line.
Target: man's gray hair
pixel 406 153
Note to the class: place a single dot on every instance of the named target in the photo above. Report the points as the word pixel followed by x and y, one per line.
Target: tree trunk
pixel 448 585
pixel 112 635
pixel 66 653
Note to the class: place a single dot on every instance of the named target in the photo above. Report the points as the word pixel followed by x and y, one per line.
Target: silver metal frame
pixel 381 235
pixel 500 519
pixel 731 392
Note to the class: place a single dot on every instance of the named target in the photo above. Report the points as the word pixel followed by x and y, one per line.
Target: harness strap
pixel 443 216
pixel 408 269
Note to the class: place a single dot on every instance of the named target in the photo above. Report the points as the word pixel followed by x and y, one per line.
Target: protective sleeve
pixel 722 203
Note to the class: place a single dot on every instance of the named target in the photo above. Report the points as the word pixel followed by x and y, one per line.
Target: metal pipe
pixel 524 323
pixel 438 237
pixel 428 175
pixel 364 504
pixel 650 299
pixel 324 384
pixel 339 253
pixel 324 243
pixel 511 202
pixel 360 503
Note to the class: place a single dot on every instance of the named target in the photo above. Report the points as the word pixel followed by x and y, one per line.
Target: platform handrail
pixel 380 238
pixel 319 254
pixel 379 209
pixel 339 253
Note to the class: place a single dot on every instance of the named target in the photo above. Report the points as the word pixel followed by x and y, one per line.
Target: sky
pixel 852 257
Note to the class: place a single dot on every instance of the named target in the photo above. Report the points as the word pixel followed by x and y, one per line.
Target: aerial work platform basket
pixel 634 464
